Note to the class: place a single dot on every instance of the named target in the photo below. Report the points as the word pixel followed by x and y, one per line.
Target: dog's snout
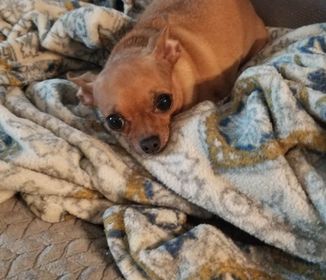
pixel 151 145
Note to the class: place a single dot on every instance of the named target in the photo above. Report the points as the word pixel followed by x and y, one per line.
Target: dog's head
pixel 136 93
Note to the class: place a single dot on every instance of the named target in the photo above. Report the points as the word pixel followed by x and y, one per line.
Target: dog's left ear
pixel 85 83
pixel 166 48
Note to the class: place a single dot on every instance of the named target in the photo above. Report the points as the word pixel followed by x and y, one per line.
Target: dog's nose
pixel 151 145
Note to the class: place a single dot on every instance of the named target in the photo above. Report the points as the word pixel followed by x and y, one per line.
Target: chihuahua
pixel 179 52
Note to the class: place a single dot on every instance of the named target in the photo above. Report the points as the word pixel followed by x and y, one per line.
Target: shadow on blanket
pixel 257 162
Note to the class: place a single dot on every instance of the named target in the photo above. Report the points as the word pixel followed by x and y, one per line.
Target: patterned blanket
pixel 239 193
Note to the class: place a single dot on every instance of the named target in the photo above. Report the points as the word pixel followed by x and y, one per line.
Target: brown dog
pixel 179 53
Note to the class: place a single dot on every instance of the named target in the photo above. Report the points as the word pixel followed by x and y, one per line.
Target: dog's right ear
pixel 165 48
pixel 85 83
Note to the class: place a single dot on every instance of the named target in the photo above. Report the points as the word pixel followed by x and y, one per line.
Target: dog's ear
pixel 128 5
pixel 166 48
pixel 128 2
pixel 85 83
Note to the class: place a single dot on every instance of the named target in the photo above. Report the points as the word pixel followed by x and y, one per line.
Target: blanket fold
pixel 258 162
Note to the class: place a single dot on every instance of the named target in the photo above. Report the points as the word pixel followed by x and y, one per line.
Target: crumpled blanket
pixel 255 165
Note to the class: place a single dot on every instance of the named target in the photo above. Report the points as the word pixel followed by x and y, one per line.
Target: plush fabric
pixel 257 162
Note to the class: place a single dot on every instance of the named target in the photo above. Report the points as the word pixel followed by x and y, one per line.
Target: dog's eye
pixel 115 121
pixel 163 102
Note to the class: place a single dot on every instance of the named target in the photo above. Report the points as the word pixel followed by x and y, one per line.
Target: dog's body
pixel 185 50
pixel 216 36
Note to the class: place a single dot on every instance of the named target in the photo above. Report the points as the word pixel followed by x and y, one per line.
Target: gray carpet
pixel 33 249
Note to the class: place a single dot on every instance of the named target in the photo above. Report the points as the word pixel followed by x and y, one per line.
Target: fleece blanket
pixel 239 193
